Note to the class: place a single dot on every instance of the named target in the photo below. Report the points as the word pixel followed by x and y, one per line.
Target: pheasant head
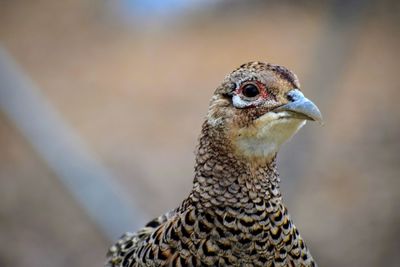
pixel 257 108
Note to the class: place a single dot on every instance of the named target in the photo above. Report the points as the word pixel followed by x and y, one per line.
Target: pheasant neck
pixel 223 179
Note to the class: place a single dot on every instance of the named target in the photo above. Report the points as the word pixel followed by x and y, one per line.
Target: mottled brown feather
pixel 234 215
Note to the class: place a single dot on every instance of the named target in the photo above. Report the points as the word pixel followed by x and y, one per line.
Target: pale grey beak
pixel 301 107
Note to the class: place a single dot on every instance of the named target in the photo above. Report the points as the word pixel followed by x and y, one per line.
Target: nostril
pixel 291 97
pixel 294 95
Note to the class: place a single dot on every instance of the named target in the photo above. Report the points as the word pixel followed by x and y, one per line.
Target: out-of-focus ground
pixel 137 91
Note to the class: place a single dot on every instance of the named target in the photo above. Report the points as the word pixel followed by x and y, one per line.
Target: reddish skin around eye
pixel 261 87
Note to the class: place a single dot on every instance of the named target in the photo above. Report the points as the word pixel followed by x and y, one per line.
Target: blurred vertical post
pixel 64 151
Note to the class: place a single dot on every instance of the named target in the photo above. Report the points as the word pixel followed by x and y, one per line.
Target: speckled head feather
pixel 234 215
pixel 256 70
pixel 272 80
pixel 248 120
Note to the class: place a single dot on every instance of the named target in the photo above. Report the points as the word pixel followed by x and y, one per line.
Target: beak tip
pixel 317 116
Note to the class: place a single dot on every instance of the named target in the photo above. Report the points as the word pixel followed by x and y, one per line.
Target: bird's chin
pixel 264 137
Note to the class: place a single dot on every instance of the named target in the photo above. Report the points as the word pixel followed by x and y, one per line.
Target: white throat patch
pixel 264 138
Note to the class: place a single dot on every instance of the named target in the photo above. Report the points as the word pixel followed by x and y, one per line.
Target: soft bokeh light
pixel 133 79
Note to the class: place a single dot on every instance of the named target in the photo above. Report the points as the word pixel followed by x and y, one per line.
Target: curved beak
pixel 300 107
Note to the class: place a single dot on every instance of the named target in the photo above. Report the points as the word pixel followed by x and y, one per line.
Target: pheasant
pixel 234 215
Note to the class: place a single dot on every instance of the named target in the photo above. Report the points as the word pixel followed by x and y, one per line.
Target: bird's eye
pixel 250 90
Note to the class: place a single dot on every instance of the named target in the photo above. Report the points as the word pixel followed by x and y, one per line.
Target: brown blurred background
pixel 132 79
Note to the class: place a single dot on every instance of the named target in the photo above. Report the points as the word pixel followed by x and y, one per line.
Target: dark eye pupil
pixel 250 90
